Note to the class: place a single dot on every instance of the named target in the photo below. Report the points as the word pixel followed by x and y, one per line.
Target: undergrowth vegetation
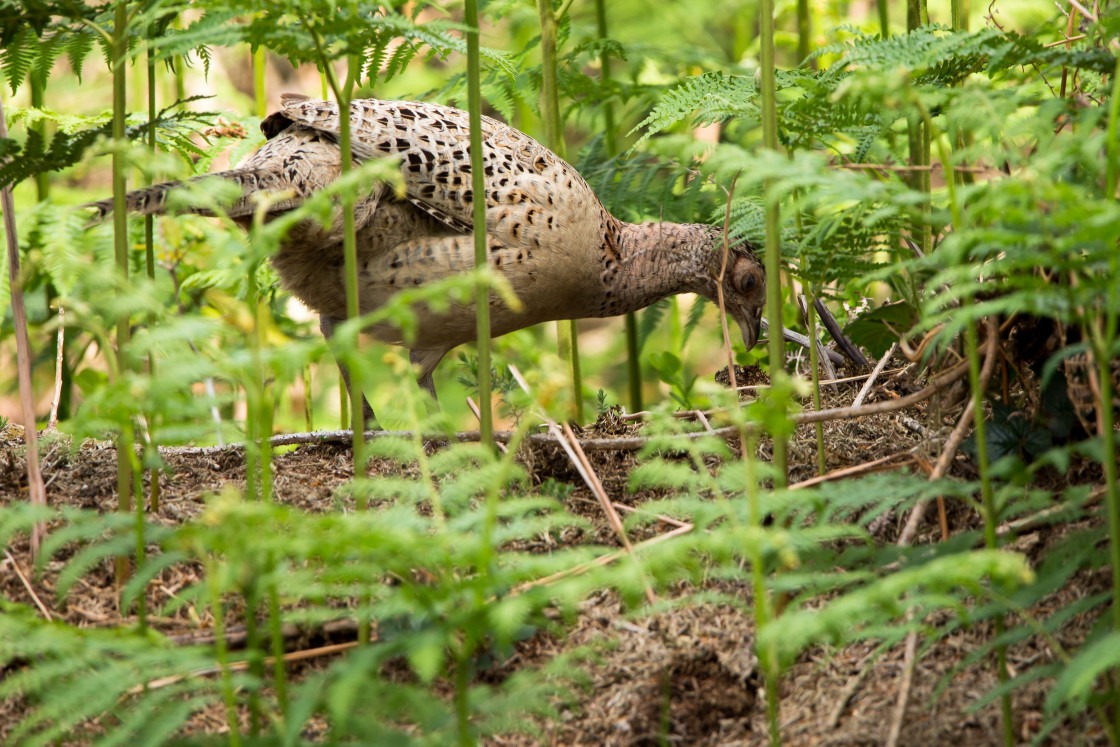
pixel 962 181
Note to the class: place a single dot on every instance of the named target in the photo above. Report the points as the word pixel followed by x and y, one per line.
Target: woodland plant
pixel 1010 213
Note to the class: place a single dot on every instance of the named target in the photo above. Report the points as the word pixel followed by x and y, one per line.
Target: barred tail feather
pixel 153 200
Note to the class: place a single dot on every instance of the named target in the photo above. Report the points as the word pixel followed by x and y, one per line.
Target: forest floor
pixel 685 674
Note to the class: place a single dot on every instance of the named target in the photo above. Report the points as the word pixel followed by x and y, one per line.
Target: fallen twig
pixel 240 666
pixel 894 461
pixel 601 560
pixel 866 389
pixel 908 664
pixel 27 585
pixel 846 347
pixel 52 422
pixel 802 340
pixel 597 444
pixel 822 352
pixel 570 444
pixel 943 462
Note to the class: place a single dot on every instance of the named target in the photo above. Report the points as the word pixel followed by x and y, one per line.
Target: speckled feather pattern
pixel 563 253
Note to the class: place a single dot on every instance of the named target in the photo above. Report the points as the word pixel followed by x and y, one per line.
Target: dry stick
pixel 1028 521
pixel 801 340
pixel 478 416
pixel 822 351
pixel 874 375
pixel 570 444
pixel 846 347
pixel 601 560
pixel 600 444
pixel 239 666
pixel 848 692
pixel 52 423
pixel 27 585
pixel 632 510
pixel 908 663
pixel 894 461
pixel 939 471
pixel 949 450
pixel 36 489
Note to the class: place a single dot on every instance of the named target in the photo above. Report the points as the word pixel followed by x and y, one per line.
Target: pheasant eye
pixel 748 283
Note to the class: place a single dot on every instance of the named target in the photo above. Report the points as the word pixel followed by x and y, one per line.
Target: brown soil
pixel 686 673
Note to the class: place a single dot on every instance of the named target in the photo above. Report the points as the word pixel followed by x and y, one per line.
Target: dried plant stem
pixel 908 662
pixel 815 362
pixel 850 351
pixel 46 613
pixel 866 389
pixel 601 444
pixel 59 355
pixel 570 444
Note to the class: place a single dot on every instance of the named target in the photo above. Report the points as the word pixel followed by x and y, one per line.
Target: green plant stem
pixel 462 691
pixel 342 94
pixel 120 245
pixel 254 655
pixel 610 138
pixel 221 652
pixel 884 18
pixel 42 179
pixel 773 226
pixel 481 260
pixel 567 333
pixel 804 32
pixel 1113 167
pixel 259 64
pixel 767 656
pixel 150 254
pixel 991 518
pixel 137 472
pixel 276 633
pixel 816 375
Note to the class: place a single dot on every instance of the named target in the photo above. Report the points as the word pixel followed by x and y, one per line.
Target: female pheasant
pixel 563 254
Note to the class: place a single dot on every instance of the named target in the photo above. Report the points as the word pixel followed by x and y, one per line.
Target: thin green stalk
pixel 254 655
pixel 221 653
pixel 991 519
pixel 462 689
pixel 478 205
pixel 610 138
pixel 342 94
pixel 42 179
pixel 254 387
pixel 1113 167
pixel 767 656
pixel 884 19
pixel 1102 347
pixel 137 472
pixel 120 244
pixel 773 226
pixel 308 404
pixel 259 63
pixel 276 633
pixel 150 252
pixel 567 333
pixel 804 32
pixel 814 365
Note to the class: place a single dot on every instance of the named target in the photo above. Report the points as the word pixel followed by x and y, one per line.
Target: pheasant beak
pixel 749 324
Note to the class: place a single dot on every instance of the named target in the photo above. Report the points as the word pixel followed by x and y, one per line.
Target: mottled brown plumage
pixel 563 254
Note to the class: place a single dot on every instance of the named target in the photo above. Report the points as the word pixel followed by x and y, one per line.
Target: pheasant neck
pixel 659 260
